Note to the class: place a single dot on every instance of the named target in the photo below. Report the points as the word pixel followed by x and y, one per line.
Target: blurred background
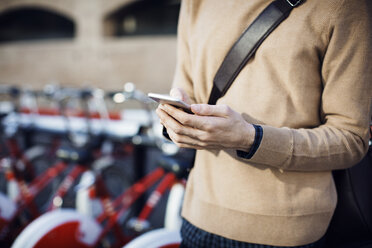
pixel 66 106
pixel 97 43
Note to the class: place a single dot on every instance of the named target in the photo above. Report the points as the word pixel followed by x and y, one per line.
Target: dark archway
pixel 146 17
pixel 30 23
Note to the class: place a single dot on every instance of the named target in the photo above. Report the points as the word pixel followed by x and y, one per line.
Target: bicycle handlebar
pixel 12 91
pixel 92 127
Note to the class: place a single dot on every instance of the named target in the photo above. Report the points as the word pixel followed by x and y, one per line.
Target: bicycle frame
pixel 113 210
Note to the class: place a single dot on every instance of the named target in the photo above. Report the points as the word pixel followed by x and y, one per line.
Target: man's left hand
pixel 211 127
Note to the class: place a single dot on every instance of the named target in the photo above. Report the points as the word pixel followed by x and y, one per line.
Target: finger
pixel 211 110
pixel 186 137
pixel 161 114
pixel 189 120
pixel 187 142
pixel 172 124
pixel 177 113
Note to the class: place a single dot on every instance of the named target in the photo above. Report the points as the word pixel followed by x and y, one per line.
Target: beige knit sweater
pixel 309 86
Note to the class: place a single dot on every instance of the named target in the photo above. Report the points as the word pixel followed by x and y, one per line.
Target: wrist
pixel 248 137
pixel 258 134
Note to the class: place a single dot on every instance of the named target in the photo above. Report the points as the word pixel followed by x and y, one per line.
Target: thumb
pixel 180 94
pixel 210 110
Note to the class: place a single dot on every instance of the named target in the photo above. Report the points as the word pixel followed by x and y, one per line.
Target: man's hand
pixel 211 126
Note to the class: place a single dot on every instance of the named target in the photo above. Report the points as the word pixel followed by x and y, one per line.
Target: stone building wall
pixel 90 58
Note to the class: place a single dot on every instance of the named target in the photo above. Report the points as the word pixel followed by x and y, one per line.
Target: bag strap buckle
pixel 294 3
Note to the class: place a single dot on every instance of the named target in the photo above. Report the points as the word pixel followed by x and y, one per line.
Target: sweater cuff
pixel 276 148
pixel 256 144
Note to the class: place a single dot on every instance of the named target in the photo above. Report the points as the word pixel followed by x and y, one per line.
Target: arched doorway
pixel 30 23
pixel 146 17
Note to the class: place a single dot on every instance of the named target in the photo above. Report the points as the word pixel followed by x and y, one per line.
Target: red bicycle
pixel 25 188
pixel 113 226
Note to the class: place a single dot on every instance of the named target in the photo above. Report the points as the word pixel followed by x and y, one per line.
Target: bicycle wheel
pixel 7 211
pixel 117 179
pixel 44 197
pixel 59 229
pixel 117 174
pixel 173 219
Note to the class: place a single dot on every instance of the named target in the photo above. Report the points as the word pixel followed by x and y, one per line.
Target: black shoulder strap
pixel 245 47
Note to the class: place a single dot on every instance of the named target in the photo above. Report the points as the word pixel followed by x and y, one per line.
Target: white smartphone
pixel 167 99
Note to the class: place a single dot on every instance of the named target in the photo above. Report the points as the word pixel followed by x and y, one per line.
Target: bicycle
pixel 25 192
pixel 108 220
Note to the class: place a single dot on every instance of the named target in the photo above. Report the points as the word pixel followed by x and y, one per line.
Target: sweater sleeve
pixel 342 138
pixel 182 77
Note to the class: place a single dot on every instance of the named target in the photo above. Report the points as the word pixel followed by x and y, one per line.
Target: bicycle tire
pixel 59 229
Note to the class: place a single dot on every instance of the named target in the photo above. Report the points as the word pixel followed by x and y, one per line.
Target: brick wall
pixel 89 58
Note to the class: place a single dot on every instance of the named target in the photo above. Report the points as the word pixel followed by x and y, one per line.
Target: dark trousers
pixel 193 237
